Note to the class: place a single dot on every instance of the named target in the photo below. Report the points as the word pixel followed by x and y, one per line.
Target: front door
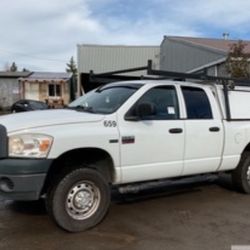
pixel 153 147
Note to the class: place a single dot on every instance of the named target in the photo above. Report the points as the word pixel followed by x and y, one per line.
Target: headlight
pixel 30 145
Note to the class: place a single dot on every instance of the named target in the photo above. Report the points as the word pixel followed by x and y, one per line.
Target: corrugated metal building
pixel 189 54
pixel 10 90
pixel 180 54
pixel 104 58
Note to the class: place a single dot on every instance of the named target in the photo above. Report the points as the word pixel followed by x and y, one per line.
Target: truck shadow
pixel 224 180
pixel 29 207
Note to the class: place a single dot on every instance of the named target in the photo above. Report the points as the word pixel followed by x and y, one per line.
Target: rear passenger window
pixel 197 103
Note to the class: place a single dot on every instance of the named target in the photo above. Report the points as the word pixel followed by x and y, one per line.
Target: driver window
pixel 164 98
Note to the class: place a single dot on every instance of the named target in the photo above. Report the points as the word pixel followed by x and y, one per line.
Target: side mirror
pixel 141 111
pixel 145 109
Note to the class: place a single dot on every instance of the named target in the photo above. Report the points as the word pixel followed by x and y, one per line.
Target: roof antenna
pixel 225 35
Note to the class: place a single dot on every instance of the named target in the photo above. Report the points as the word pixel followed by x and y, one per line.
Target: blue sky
pixel 42 35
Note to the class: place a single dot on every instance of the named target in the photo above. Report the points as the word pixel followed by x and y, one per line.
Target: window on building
pixel 54 90
pixel 197 103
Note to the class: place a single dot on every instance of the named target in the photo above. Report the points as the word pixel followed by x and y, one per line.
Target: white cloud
pixel 33 31
pixel 229 14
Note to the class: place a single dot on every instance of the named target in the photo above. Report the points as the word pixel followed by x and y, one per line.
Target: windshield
pixel 105 100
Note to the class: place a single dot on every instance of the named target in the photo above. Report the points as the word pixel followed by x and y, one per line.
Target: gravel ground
pixel 192 215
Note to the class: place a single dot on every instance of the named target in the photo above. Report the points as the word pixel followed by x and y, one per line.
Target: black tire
pixel 241 175
pixel 67 199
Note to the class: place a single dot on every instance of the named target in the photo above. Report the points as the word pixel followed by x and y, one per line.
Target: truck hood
pixel 35 119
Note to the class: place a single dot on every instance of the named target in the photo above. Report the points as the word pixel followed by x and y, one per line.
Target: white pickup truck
pixel 123 132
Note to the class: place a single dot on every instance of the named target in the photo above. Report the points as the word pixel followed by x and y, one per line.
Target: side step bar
pixel 171 183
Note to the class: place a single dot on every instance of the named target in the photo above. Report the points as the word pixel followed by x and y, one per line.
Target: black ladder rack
pixel 227 82
pixel 162 74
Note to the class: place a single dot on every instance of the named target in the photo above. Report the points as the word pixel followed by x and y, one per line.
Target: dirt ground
pixel 185 215
pixel 4 112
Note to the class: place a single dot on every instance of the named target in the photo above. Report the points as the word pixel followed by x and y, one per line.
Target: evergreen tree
pixel 71 67
pixel 25 70
pixel 237 63
pixel 13 67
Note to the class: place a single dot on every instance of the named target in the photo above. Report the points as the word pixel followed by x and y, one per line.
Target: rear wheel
pixel 79 200
pixel 241 175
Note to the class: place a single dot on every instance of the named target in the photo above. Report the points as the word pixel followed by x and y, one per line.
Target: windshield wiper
pixel 83 108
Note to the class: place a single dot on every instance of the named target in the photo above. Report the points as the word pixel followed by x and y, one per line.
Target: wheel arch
pixel 95 158
pixel 246 149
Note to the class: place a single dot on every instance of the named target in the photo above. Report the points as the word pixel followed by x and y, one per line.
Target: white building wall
pixel 32 91
pixel 9 91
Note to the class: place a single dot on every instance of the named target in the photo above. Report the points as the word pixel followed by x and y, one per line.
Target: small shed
pixel 53 88
pixel 10 90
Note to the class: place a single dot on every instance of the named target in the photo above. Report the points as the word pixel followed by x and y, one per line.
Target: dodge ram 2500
pixel 123 132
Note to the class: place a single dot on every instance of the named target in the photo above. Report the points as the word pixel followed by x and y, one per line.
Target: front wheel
pixel 79 200
pixel 241 175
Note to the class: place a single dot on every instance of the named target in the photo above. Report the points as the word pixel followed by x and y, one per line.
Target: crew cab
pixel 121 133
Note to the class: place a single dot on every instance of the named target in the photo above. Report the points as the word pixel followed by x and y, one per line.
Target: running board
pixel 150 185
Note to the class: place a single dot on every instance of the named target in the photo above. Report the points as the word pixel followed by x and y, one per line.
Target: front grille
pixel 3 142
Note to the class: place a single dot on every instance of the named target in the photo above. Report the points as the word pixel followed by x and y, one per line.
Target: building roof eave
pixel 219 61
pixel 194 44
pixel 200 46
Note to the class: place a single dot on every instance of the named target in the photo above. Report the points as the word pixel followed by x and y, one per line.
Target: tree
pixel 25 70
pixel 13 67
pixel 237 61
pixel 71 67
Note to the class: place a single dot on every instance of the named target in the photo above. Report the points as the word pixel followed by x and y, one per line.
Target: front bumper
pixel 22 179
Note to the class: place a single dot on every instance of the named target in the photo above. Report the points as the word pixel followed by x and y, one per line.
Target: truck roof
pixel 139 83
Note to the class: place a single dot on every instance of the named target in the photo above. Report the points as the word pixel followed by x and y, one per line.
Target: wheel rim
pixel 83 200
pixel 248 174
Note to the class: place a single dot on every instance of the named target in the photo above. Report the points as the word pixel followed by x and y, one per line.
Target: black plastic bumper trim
pixel 25 187
pixel 14 166
pixel 26 176
pixel 3 142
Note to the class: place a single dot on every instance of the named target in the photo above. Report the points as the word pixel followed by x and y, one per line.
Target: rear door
pixel 204 131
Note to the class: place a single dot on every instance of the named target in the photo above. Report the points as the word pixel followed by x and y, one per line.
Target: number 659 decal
pixel 109 124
